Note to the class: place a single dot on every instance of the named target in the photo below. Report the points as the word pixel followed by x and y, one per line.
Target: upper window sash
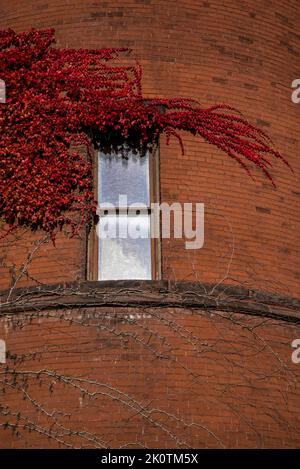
pixel 119 176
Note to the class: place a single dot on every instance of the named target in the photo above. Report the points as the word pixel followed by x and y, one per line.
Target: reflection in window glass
pixel 118 175
pixel 126 257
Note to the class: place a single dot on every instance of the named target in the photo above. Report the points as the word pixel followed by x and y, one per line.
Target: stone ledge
pixel 148 293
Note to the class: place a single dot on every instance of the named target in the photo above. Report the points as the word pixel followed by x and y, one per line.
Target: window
pixel 121 246
pixel 2 92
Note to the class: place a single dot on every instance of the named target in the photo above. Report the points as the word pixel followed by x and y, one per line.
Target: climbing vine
pixel 61 101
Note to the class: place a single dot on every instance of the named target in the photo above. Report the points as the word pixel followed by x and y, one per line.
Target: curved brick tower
pixel 202 357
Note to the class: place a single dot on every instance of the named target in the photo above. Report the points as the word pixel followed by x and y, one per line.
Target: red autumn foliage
pixel 59 100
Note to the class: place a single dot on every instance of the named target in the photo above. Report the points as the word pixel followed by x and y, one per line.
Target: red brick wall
pixel 242 53
pixel 165 378
pixel 148 377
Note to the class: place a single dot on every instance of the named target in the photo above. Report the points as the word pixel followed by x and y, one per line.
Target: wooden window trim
pixel 155 198
pixel 92 242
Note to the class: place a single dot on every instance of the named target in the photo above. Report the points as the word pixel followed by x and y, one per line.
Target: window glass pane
pixel 125 247
pixel 121 176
